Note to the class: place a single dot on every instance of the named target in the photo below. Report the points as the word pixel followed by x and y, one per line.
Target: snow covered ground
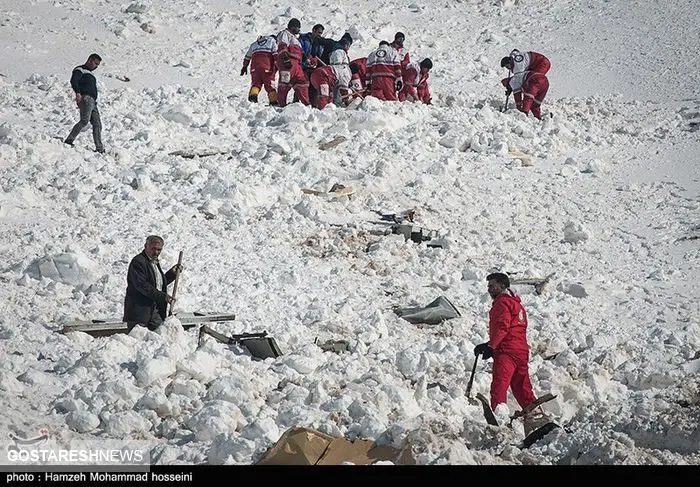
pixel 605 194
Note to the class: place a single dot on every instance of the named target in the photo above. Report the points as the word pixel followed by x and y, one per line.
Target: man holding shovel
pixel 527 80
pixel 507 344
pixel 146 297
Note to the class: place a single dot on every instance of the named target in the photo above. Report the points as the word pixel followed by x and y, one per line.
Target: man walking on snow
pixel 84 85
pixel 528 80
pixel 507 344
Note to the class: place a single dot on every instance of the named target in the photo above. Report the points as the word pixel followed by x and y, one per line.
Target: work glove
pixel 484 350
pixel 508 91
pixel 399 84
pixel 244 70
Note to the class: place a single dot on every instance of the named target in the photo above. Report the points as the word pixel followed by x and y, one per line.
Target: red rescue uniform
pixel 508 339
pixel 261 57
pixel 415 86
pixel 291 74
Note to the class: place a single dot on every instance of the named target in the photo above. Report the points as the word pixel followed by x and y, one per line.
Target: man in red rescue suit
pixel 261 58
pixel 360 72
pixel 358 68
pixel 331 81
pixel 528 81
pixel 397 44
pixel 289 56
pixel 507 344
pixel 415 82
pixel 384 68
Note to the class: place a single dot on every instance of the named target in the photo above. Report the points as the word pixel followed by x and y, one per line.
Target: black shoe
pixel 68 143
pixel 101 151
pixel 253 98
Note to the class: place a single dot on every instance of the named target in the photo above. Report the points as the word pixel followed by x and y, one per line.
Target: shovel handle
pixel 177 278
pixel 471 379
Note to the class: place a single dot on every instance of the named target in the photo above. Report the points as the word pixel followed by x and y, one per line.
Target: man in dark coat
pixel 146 298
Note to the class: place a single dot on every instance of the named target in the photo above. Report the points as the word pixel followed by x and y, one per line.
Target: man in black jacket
pixel 146 298
pixel 84 85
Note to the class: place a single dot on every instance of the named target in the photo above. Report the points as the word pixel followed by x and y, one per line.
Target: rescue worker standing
pixel 289 56
pixel 312 45
pixel 507 344
pixel 384 68
pixel 397 44
pixel 261 58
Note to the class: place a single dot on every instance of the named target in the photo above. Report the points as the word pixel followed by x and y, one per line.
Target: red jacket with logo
pixel 508 324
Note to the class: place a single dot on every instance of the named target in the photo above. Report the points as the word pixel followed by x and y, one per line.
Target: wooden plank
pixel 538 282
pixel 333 143
pixel 192 155
pixel 333 193
pixel 106 328
pixel 488 412
pixel 259 345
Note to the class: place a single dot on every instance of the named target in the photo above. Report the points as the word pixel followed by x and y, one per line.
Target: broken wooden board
pixel 538 282
pixel 192 155
pixel 332 143
pixel 336 191
pixel 120 77
pixel 525 159
pixel 532 406
pixel 259 345
pixel 100 328
pixel 486 407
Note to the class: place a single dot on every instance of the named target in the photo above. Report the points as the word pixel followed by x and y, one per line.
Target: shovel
pixel 177 278
pixel 471 382
pixel 504 107
pixel 480 399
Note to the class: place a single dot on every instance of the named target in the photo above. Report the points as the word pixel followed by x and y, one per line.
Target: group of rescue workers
pixel 318 71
